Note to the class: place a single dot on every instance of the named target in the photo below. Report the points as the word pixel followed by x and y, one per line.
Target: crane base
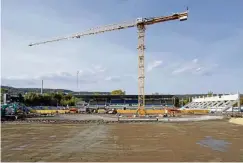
pixel 141 112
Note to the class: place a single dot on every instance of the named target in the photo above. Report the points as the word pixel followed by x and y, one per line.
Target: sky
pixel 204 53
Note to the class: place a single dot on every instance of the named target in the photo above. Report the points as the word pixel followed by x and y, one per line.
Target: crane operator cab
pixel 139 20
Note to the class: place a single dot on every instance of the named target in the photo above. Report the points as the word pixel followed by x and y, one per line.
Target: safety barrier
pixel 51 111
pixel 150 111
pixel 155 111
pixel 101 111
pixel 195 111
pixel 121 111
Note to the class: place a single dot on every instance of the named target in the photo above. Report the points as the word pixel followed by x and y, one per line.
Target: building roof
pixel 123 96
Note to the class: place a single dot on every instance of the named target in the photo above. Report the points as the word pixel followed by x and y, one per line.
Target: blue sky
pixel 195 56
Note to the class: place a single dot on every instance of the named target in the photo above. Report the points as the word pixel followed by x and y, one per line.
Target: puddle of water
pixel 217 145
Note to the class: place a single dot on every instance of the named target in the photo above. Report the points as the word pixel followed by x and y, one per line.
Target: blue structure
pixel 128 101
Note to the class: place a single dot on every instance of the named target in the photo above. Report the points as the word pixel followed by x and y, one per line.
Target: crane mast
pixel 141 75
pixel 140 23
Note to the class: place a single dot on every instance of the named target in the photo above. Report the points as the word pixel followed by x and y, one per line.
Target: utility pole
pixel 41 86
pixel 5 98
pixel 239 107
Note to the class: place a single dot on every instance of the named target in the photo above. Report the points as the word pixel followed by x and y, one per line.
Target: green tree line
pixel 61 99
pixel 118 92
pixel 47 99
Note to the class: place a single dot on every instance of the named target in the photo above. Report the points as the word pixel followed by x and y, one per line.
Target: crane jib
pixel 112 27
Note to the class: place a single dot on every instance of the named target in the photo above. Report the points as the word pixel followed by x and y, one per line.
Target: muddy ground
pixel 192 141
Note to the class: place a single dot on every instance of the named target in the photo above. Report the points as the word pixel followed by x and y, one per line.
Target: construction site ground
pixel 238 121
pixel 216 140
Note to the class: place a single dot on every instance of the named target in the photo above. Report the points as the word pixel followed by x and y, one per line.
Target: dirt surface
pixel 88 117
pixel 115 118
pixel 193 141
pixel 238 121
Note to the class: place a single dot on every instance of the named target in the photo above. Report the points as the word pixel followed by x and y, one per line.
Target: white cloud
pixel 154 65
pixel 194 67
pixel 57 63
pixel 113 78
pixel 88 76
pixel 126 77
pixel 195 60
pixel 94 70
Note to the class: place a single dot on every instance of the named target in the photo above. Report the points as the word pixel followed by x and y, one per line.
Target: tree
pixel 210 93
pixel 58 97
pixel 3 90
pixel 68 97
pixel 64 102
pixel 21 98
pixel 156 93
pixel 32 99
pixel 49 99
pixel 186 101
pixel 117 92
pixel 176 102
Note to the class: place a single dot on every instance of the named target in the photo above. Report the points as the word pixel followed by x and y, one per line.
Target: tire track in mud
pixel 85 142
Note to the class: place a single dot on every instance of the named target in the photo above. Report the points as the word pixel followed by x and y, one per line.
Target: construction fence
pixel 122 111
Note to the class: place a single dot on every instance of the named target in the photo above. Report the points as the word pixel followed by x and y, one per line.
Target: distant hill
pixel 14 91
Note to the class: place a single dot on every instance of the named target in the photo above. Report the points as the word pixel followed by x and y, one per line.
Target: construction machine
pixel 13 111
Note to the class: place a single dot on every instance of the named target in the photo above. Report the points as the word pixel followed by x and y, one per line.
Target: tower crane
pixel 140 23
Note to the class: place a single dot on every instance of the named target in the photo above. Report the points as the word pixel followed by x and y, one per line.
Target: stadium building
pixel 129 101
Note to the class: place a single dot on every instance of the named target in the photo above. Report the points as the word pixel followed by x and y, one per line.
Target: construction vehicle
pixel 140 23
pixel 13 111
pixel 111 111
pixel 82 106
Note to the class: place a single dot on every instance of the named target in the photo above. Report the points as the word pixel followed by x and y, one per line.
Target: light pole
pixel 77 79
pixel 41 86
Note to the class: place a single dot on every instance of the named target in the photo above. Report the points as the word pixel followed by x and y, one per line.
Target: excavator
pixel 13 111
